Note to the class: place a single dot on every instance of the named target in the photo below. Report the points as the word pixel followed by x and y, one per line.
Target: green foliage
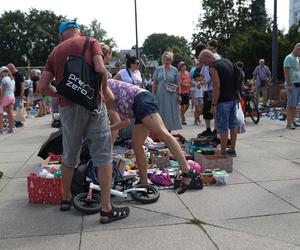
pixel 156 44
pixel 259 18
pixel 29 37
pixel 95 30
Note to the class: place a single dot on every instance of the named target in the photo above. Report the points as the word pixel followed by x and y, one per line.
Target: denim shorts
pixel 199 101
pixel 144 104
pixel 78 123
pixel 293 97
pixel 226 116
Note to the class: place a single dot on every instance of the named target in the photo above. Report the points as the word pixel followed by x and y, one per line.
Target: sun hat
pixel 68 24
pixel 3 68
pixel 180 64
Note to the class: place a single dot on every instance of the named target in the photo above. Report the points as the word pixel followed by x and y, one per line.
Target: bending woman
pixel 125 101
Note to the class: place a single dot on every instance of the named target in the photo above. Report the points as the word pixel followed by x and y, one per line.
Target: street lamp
pixel 274 44
pixel 136 32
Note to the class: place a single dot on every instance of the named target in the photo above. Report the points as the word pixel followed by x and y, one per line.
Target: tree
pixel 156 44
pixel 242 16
pixel 258 18
pixel 42 31
pixel 13 38
pixel 95 30
pixel 217 22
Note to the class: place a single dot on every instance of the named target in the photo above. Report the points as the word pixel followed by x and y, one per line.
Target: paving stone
pixel 138 217
pixel 234 240
pixel 66 241
pixel 16 189
pixel 288 190
pixel 19 218
pixel 10 169
pixel 283 227
pixel 233 201
pixel 165 237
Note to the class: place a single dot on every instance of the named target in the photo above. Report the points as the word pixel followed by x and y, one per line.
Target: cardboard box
pixel 43 190
pixel 223 162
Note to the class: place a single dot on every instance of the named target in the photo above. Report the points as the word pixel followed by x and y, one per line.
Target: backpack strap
pixel 87 39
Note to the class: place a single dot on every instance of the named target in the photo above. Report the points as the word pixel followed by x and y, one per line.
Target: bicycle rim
pixel 253 111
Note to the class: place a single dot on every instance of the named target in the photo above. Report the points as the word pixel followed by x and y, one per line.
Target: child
pixel 125 101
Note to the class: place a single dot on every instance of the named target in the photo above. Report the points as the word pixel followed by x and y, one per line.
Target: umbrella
pixel 54 145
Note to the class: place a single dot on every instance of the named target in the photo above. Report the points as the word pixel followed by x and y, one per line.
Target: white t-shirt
pixel 135 78
pixel 198 91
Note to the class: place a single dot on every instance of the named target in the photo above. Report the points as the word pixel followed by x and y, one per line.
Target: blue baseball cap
pixel 68 24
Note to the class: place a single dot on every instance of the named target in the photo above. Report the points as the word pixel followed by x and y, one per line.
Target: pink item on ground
pixel 195 165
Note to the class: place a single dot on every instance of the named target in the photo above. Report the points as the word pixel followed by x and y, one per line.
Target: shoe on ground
pixel 231 153
pixel 11 130
pixel 19 124
pixel 290 126
pixel 184 123
pixel 296 124
pixel 214 133
pixel 205 133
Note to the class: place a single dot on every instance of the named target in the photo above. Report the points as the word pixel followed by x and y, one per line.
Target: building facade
pixel 294 16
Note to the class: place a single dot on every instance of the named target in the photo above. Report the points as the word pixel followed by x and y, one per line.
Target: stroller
pixel 55 113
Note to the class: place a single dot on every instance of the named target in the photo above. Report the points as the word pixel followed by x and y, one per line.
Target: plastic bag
pixel 240 119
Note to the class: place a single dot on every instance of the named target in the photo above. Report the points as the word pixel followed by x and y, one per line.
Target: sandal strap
pixel 191 174
pixel 114 212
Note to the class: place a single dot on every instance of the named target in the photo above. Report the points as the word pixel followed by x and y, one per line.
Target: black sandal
pixel 116 213
pixel 194 183
pixel 65 205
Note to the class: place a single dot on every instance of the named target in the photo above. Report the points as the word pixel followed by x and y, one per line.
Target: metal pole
pixel 275 45
pixel 136 32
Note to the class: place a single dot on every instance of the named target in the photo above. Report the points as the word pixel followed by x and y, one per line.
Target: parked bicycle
pixel 249 106
pixel 89 203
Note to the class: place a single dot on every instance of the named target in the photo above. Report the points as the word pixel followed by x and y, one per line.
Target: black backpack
pixel 81 83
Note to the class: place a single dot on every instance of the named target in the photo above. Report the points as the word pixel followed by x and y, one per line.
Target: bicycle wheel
pixel 85 206
pixel 253 111
pixel 151 194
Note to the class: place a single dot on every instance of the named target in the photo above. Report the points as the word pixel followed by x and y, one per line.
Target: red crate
pixel 43 190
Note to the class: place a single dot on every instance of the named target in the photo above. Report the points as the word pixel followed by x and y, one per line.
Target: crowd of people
pixel 157 105
pixel 18 93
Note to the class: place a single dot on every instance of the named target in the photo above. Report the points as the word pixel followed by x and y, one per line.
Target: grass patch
pixel 196 222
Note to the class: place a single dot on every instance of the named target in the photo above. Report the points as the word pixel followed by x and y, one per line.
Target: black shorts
pixel 144 104
pixel 185 99
pixel 207 97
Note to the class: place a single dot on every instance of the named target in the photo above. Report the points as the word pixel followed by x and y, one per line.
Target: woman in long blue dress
pixel 168 101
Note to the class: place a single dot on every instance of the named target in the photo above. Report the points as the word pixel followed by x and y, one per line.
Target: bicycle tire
pixel 151 196
pixel 253 111
pixel 84 206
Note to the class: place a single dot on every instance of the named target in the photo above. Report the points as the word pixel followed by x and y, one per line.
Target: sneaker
pixel 231 153
pixel 205 133
pixel 296 125
pixel 11 130
pixel 19 124
pixel 290 126
pixel 214 133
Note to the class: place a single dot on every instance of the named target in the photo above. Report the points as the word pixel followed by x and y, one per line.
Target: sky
pixel 117 17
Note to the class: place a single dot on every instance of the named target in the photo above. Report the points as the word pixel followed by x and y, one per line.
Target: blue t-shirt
pixel 292 62
pixel 10 85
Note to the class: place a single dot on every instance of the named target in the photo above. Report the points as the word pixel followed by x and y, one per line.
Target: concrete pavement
pixel 259 209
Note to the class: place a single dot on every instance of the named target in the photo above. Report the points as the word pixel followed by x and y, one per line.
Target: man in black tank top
pixel 224 98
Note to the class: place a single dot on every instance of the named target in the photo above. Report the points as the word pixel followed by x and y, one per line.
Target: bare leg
pixel 11 116
pixel 233 136
pixel 140 133
pixel 67 175
pixel 105 179
pixel 1 123
pixel 155 124
pixel 290 113
pixel 224 140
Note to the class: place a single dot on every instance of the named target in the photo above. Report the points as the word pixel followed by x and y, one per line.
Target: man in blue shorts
pixel 292 85
pixel 224 98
